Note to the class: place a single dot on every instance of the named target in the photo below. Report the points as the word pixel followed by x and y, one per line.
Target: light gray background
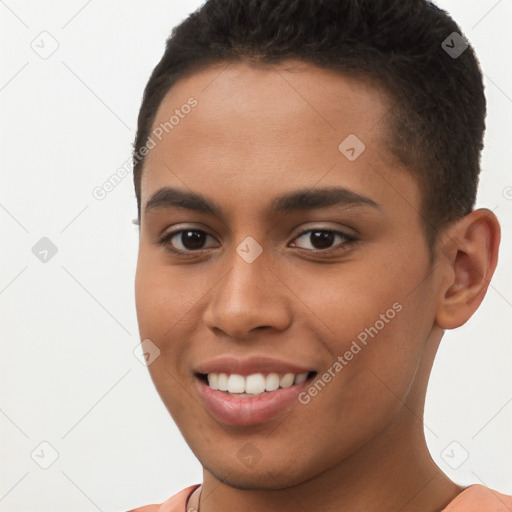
pixel 69 376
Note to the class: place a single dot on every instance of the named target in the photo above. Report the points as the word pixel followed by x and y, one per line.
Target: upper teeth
pixel 255 383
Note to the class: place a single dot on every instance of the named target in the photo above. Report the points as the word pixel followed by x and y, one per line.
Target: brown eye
pixel 185 240
pixel 323 239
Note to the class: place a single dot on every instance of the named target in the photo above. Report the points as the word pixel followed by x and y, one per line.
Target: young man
pixel 306 174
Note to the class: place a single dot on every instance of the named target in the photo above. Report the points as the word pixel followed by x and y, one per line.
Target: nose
pixel 250 296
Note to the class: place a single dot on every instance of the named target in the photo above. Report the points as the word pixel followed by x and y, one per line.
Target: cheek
pixel 163 301
pixel 374 323
pixel 165 314
pixel 359 300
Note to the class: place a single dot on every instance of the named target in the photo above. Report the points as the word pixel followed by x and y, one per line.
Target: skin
pixel 259 132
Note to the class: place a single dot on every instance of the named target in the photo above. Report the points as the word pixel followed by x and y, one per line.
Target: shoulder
pixel 478 498
pixel 176 503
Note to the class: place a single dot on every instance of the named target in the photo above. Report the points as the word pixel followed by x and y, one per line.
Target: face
pixel 240 274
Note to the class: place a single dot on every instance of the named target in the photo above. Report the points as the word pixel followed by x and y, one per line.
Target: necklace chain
pixel 192 500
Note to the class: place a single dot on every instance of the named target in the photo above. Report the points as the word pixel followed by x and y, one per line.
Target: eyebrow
pixel 303 199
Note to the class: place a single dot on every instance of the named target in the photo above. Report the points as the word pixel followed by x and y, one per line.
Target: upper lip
pixel 232 365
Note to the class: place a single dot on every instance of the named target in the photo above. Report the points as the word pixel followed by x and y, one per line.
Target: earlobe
pixel 468 260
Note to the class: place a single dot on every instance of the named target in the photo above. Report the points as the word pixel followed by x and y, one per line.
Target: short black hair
pixel 437 121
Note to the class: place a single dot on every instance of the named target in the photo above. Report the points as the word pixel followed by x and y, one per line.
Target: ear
pixel 468 258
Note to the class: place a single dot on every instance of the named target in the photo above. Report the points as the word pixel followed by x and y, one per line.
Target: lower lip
pixel 233 410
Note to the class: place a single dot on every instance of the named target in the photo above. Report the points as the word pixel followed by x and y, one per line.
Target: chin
pixel 260 479
pixel 251 481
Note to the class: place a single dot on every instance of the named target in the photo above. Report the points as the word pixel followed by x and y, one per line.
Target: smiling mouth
pixel 256 384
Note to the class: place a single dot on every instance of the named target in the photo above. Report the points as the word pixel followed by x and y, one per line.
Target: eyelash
pixel 349 240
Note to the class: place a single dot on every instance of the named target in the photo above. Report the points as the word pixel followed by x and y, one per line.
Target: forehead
pixel 256 128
